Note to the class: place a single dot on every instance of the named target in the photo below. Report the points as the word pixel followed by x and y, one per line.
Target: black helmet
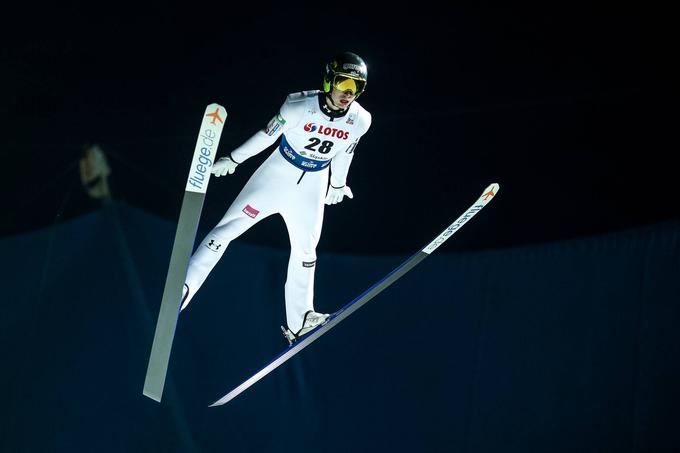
pixel 345 71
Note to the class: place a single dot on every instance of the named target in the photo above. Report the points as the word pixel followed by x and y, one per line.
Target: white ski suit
pixel 292 182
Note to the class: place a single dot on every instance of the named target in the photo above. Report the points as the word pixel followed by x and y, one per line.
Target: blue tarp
pixel 561 347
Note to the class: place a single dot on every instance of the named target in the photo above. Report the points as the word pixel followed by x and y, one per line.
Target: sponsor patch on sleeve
pixel 274 125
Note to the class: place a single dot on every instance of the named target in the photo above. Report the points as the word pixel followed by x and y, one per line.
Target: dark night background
pixel 559 300
pixel 567 107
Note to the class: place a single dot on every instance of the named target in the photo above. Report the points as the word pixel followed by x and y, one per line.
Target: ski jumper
pixel 292 182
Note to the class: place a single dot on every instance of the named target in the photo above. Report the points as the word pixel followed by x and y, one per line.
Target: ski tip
pixel 216 114
pixel 214 105
pixel 490 191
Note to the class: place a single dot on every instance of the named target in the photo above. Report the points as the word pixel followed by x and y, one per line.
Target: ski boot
pixel 311 321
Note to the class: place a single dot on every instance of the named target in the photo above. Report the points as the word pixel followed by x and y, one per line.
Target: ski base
pixel 364 298
pixel 187 225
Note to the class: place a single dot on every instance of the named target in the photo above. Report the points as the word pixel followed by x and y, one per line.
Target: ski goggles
pixel 344 83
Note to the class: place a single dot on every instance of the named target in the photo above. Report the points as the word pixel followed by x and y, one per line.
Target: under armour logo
pixel 214 246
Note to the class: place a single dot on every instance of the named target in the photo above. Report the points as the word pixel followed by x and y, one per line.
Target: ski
pixel 187 225
pixel 369 294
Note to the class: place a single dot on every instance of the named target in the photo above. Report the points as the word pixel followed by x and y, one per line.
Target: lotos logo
pixel 332 132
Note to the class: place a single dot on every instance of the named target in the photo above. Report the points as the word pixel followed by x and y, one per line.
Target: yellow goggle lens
pixel 348 84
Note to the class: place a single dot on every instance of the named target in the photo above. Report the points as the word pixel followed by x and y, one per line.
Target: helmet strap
pixel 330 99
pixel 323 103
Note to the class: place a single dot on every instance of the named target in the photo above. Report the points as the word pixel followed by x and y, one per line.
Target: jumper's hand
pixel 223 166
pixel 335 195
